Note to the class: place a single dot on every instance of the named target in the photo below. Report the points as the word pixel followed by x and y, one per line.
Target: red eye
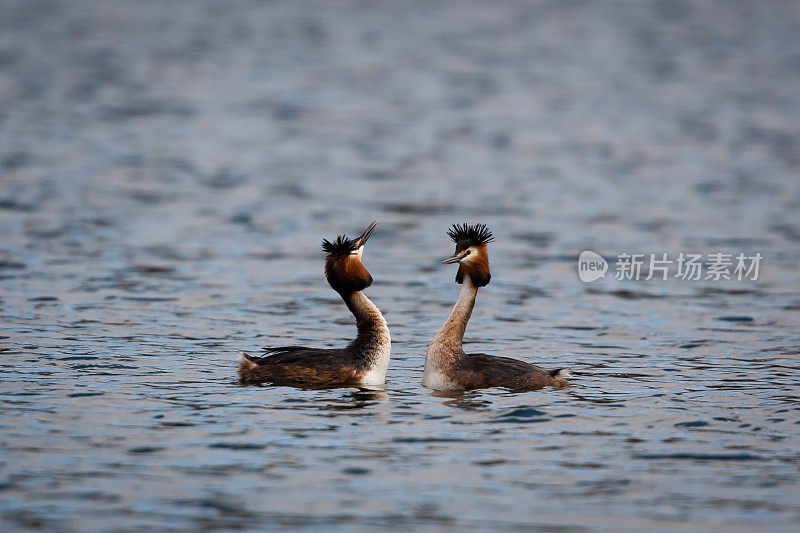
pixel 469 252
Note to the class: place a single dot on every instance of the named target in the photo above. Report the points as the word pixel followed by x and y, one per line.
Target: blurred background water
pixel 168 169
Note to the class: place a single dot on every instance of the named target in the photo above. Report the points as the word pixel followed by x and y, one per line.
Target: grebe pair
pixel 365 360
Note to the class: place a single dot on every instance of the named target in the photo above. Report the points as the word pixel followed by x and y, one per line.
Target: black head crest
pixel 465 236
pixel 341 245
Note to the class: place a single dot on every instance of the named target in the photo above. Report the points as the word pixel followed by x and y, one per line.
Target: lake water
pixel 168 170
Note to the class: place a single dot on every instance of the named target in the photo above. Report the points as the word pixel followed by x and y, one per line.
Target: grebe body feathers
pixel 447 366
pixel 362 362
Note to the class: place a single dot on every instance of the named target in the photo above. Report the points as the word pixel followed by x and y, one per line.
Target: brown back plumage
pixel 479 370
pixel 295 365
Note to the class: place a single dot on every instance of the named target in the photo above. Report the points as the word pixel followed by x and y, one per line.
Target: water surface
pixel 169 169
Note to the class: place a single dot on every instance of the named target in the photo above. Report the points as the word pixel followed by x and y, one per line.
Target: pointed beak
pixel 362 240
pixel 455 258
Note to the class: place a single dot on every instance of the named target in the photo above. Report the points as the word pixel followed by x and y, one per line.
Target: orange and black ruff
pixel 447 367
pixel 363 362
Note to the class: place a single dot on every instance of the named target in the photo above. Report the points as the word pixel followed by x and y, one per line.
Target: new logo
pixel 591 266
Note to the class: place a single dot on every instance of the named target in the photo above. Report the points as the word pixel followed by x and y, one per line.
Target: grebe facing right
pixel 363 362
pixel 447 367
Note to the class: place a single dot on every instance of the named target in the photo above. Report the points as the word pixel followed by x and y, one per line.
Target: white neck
pixel 445 347
pixel 373 341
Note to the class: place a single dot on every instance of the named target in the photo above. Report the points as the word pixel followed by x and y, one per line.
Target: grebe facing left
pixel 447 367
pixel 362 362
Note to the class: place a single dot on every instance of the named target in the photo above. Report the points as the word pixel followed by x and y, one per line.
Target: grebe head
pixel 343 267
pixel 471 253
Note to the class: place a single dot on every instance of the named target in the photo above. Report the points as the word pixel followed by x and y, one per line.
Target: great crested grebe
pixel 362 362
pixel 447 367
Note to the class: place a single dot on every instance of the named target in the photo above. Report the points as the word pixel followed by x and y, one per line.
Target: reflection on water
pixel 167 174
